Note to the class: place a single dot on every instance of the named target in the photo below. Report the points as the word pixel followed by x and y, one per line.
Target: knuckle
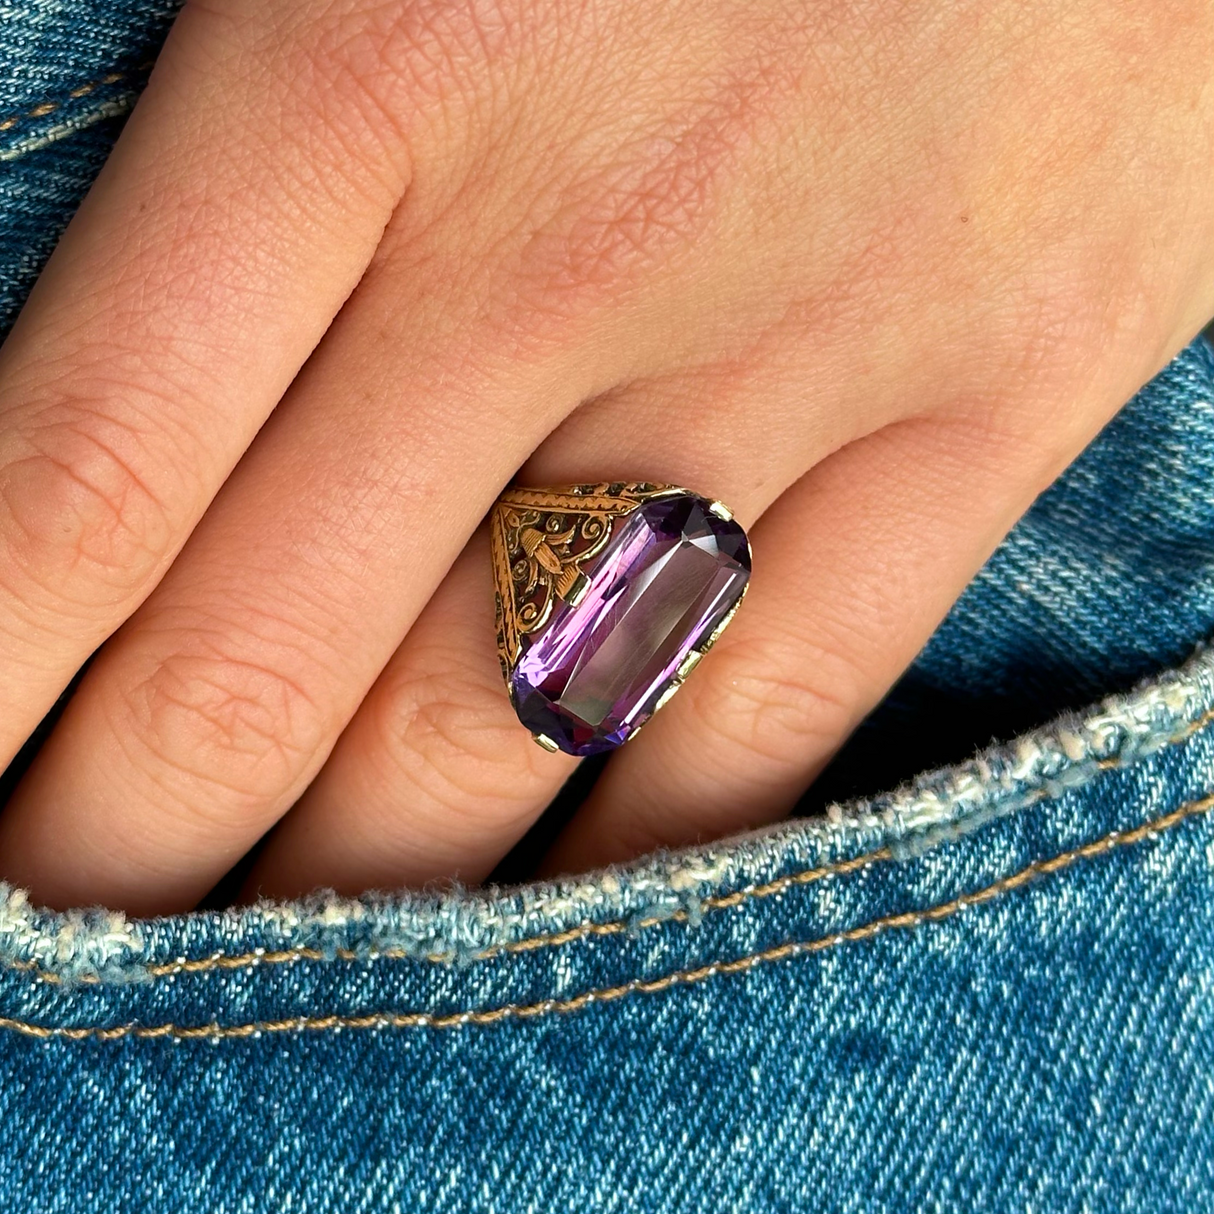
pixel 389 95
pixel 240 728
pixel 778 707
pixel 397 57
pixel 661 195
pixel 457 740
pixel 647 208
pixel 81 503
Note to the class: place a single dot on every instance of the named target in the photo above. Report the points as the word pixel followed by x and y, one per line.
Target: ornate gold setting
pixel 540 540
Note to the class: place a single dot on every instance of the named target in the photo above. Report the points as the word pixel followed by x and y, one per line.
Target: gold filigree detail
pixel 541 538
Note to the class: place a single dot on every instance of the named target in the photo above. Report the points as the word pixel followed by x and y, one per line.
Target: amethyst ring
pixel 607 596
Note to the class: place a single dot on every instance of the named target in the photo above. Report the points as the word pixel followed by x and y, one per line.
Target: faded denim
pixel 987 989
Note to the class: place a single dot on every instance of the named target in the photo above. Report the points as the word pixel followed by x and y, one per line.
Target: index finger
pixel 239 208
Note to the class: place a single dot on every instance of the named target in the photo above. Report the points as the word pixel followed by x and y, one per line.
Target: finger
pixel 435 777
pixel 204 718
pixel 235 214
pixel 207 716
pixel 854 567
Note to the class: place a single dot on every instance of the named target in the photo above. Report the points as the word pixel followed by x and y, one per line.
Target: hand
pixel 871 273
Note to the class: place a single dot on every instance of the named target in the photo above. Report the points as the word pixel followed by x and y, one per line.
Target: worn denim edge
pixel 458 924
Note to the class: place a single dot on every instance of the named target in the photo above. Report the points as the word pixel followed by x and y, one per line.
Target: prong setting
pixel 667 695
pixel 545 743
pixel 577 592
pixel 688 664
pixel 721 510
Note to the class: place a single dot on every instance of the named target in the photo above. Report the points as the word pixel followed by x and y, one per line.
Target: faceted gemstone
pixel 669 574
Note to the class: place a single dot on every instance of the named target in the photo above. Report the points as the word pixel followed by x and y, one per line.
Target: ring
pixel 606 597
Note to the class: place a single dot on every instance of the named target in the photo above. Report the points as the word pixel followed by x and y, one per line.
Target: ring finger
pixel 858 560
pixel 858 563
pixel 434 777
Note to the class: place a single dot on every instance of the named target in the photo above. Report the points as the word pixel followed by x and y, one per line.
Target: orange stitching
pixel 530 943
pixel 249 960
pixel 648 986
pixel 46 107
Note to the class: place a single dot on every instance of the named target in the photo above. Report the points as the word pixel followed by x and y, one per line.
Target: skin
pixel 870 273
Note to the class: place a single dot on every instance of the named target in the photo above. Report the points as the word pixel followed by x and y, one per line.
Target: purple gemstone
pixel 666 578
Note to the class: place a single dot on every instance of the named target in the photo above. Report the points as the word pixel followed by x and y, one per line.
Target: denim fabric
pixel 990 991
pixel 1109 578
pixel 987 988
pixel 69 73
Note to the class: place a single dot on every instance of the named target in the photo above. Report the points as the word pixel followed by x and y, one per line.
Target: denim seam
pixel 113 107
pixel 979 791
pixel 590 928
pixel 903 920
pixel 81 90
pixel 257 957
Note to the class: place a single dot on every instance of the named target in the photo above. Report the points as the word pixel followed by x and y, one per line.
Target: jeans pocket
pixel 987 989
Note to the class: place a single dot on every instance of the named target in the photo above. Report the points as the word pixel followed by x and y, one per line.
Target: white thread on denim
pixel 1064 755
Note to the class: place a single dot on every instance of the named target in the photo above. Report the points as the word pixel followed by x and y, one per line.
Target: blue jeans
pixel 956 981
